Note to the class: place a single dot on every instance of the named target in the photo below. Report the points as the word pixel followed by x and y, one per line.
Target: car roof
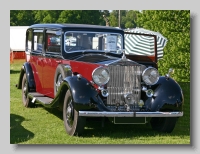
pixel 69 25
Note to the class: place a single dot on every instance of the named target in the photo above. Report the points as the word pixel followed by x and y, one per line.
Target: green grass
pixel 45 126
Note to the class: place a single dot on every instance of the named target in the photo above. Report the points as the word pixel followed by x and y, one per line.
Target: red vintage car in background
pixel 83 70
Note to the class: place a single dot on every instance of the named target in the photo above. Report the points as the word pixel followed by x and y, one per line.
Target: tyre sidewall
pixel 25 100
pixel 78 122
pixel 163 124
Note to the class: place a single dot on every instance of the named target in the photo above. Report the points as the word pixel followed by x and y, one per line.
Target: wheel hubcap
pixel 59 81
pixel 25 90
pixel 69 113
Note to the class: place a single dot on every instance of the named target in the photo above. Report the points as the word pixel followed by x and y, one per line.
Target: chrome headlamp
pixel 100 76
pixel 150 76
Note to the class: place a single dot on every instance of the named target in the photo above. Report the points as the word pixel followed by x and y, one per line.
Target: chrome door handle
pixel 58 61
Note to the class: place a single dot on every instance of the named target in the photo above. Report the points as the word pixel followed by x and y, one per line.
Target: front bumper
pixel 129 114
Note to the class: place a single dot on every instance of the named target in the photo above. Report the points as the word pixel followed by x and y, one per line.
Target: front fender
pixel 84 95
pixel 168 96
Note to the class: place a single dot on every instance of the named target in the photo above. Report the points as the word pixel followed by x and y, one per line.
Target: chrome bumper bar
pixel 129 114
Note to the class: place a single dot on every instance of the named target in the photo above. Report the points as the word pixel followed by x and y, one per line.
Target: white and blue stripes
pixel 144 45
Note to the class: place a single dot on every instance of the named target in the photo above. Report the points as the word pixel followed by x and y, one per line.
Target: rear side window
pixel 29 38
pixel 38 39
pixel 53 41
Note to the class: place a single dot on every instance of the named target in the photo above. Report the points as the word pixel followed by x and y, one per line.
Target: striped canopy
pixel 144 45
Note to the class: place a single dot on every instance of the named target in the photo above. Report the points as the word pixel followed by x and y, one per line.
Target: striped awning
pixel 142 44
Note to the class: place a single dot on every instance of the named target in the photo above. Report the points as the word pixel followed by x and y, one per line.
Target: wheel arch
pixel 65 71
pixel 19 84
pixel 84 95
pixel 168 96
pixel 26 68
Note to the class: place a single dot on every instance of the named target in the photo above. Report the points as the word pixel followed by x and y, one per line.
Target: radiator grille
pixel 124 80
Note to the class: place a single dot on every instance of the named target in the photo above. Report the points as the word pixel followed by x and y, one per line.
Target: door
pixel 52 57
pixel 36 58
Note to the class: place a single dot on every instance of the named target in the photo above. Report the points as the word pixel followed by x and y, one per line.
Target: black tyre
pixel 74 124
pixel 163 124
pixel 58 78
pixel 25 100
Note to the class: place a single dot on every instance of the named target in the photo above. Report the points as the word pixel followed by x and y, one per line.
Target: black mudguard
pixel 26 68
pixel 84 95
pixel 168 96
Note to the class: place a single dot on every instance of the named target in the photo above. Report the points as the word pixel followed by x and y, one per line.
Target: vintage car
pixel 93 77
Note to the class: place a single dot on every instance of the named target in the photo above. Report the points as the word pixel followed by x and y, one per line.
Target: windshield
pixel 104 41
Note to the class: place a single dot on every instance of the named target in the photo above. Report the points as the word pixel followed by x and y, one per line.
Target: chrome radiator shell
pixel 124 79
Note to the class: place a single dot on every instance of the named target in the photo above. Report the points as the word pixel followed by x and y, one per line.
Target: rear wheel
pixel 163 124
pixel 25 99
pixel 74 124
pixel 58 78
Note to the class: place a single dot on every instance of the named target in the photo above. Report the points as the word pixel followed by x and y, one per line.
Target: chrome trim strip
pixel 113 62
pixel 129 114
pixel 121 60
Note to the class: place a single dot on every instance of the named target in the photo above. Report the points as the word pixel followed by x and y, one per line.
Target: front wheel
pixel 74 124
pixel 163 124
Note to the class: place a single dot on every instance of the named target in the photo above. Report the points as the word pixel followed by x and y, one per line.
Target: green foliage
pixel 131 18
pixel 114 18
pixel 47 16
pixel 29 17
pixel 80 16
pixel 107 14
pixel 175 26
pixel 21 17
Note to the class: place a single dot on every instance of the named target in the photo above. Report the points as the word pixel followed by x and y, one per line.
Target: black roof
pixel 60 25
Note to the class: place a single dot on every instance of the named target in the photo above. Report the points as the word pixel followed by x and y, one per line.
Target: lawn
pixel 45 126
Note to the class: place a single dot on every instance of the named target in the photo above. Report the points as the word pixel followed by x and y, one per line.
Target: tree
pixel 114 18
pixel 80 16
pixel 47 16
pixel 29 17
pixel 21 17
pixel 107 14
pixel 175 26
pixel 130 19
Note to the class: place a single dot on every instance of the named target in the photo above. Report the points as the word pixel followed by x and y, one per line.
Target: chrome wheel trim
pixel 25 90
pixel 69 114
pixel 58 82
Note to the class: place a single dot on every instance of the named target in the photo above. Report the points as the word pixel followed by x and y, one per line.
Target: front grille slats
pixel 123 80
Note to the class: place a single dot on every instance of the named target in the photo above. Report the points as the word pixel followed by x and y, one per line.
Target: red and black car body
pixel 83 70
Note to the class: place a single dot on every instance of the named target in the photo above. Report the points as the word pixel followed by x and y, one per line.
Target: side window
pixel 53 41
pixel 29 38
pixel 38 38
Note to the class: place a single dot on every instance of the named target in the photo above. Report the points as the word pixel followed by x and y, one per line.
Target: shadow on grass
pixel 94 127
pixel 17 132
pixel 53 111
pixel 116 131
pixel 14 72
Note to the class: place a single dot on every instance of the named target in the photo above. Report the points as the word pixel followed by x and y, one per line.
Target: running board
pixel 39 98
